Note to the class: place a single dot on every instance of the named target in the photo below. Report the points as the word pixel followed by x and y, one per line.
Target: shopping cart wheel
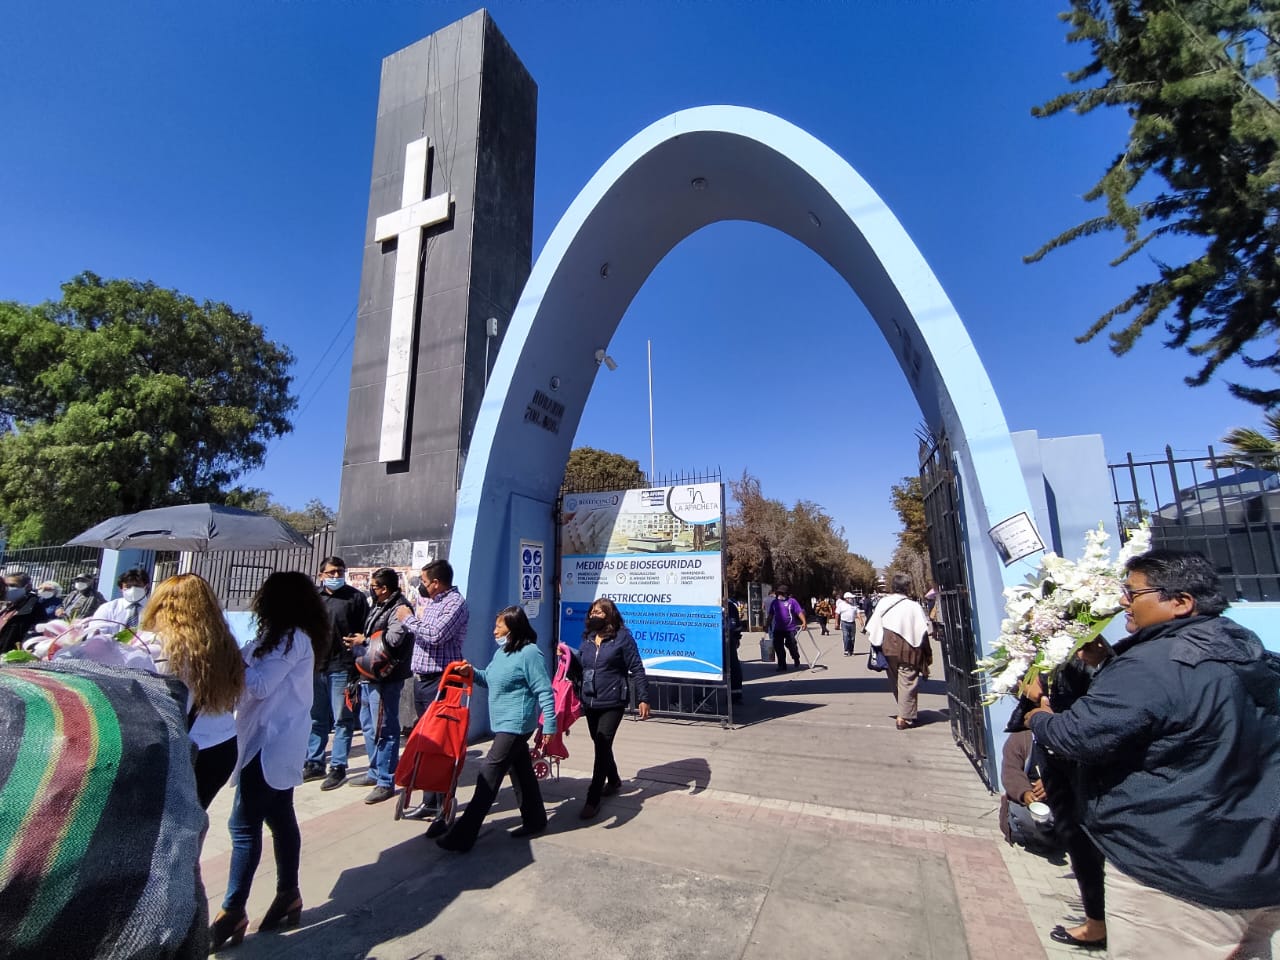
pixel 541 769
pixel 400 799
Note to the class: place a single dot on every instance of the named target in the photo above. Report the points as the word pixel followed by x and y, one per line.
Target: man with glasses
pixel 1179 742
pixel 438 632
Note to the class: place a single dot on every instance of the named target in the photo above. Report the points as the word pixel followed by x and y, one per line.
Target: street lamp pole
pixel 651 473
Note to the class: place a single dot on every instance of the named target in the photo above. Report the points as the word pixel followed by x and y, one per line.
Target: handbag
pixel 876 660
pixel 378 661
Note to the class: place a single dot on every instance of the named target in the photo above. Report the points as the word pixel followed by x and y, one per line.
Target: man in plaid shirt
pixel 437 634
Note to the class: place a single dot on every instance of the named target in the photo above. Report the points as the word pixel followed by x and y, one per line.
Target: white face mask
pixel 47 594
pixel 135 594
pixel 82 586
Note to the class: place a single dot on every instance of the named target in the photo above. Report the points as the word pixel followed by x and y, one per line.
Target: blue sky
pixel 225 149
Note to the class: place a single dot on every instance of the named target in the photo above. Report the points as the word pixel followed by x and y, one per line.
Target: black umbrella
pixel 198 527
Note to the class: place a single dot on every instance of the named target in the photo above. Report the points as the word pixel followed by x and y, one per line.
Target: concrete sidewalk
pixel 812 828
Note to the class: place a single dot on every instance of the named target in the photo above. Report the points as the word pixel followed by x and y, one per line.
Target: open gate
pixel 943 520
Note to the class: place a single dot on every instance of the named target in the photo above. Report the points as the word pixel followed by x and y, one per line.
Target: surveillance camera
pixel 609 362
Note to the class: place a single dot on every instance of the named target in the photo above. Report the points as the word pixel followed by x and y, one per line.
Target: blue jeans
pixel 257 803
pixel 380 721
pixel 848 632
pixel 328 706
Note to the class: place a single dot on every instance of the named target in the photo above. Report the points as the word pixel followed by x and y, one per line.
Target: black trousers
pixel 1089 867
pixel 214 766
pixel 603 724
pixel 785 638
pixel 425 688
pixel 509 753
pixel 735 665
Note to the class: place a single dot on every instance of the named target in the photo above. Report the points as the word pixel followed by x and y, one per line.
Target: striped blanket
pixel 100 827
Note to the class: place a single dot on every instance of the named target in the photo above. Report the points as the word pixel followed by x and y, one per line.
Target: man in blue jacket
pixel 1179 739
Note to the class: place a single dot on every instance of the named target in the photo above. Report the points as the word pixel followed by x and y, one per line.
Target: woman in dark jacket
pixel 609 656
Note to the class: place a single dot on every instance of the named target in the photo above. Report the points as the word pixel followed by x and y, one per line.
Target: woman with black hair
pixel 272 727
pixel 609 656
pixel 519 687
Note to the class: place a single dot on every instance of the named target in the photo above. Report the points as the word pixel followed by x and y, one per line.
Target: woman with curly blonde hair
pixel 198 648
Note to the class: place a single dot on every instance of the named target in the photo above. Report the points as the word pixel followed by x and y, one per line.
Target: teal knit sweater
pixel 518 688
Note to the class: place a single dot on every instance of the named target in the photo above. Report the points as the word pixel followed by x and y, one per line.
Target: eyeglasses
pixel 1128 594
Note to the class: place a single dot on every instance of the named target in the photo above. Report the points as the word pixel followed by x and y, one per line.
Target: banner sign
pixel 656 553
pixel 531 576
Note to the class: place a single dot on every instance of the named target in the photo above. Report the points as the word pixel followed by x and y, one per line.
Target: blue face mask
pixel 334 583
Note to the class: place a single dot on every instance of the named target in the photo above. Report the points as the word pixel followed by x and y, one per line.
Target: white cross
pixel 405 226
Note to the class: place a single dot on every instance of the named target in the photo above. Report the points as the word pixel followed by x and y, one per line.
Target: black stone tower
pixel 447 250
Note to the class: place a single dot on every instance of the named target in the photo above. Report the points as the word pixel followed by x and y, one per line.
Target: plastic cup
pixel 1039 812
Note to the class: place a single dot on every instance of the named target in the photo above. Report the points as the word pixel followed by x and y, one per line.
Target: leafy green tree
pixel 123 396
pixel 1198 78
pixel 311 518
pixel 912 552
pixel 591 469
pixel 769 542
pixel 859 574
pixel 914 564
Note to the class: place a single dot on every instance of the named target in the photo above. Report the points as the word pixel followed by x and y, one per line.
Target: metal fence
pixel 235 575
pixel 1224 507
pixel 56 562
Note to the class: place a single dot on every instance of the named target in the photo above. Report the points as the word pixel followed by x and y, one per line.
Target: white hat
pixel 848 596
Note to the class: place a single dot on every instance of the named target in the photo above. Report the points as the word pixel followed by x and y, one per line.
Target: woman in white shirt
pixel 197 647
pixel 899 627
pixel 272 726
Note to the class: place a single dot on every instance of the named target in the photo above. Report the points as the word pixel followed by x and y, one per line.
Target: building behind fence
pixel 1224 507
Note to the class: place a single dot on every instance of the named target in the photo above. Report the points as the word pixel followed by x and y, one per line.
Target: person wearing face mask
pixel 609 657
pixel 438 632
pixel 519 688
pixel 20 612
pixel 347 609
pixel 126 609
pixel 82 601
pixel 50 594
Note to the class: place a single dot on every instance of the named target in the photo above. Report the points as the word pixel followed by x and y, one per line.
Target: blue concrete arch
pixel 684 172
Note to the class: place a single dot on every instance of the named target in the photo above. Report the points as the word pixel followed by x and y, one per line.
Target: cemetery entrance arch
pixel 691 169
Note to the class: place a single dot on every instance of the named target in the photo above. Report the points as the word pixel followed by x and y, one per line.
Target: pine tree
pixel 1198 78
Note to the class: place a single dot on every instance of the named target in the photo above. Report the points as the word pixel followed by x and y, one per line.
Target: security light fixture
pixel 608 361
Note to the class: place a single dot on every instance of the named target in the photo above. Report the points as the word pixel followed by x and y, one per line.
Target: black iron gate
pixel 942 511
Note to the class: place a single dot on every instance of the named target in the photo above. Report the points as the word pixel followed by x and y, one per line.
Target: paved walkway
pixel 812 829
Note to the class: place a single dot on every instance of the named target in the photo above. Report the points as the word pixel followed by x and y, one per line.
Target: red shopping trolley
pixel 436 749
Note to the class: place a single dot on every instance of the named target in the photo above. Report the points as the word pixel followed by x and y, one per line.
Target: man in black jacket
pixel 1179 742
pixel 347 609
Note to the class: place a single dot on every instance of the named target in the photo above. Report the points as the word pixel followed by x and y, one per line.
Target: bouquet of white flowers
pixel 1060 608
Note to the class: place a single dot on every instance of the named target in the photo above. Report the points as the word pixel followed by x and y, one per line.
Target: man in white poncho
pixel 900 629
